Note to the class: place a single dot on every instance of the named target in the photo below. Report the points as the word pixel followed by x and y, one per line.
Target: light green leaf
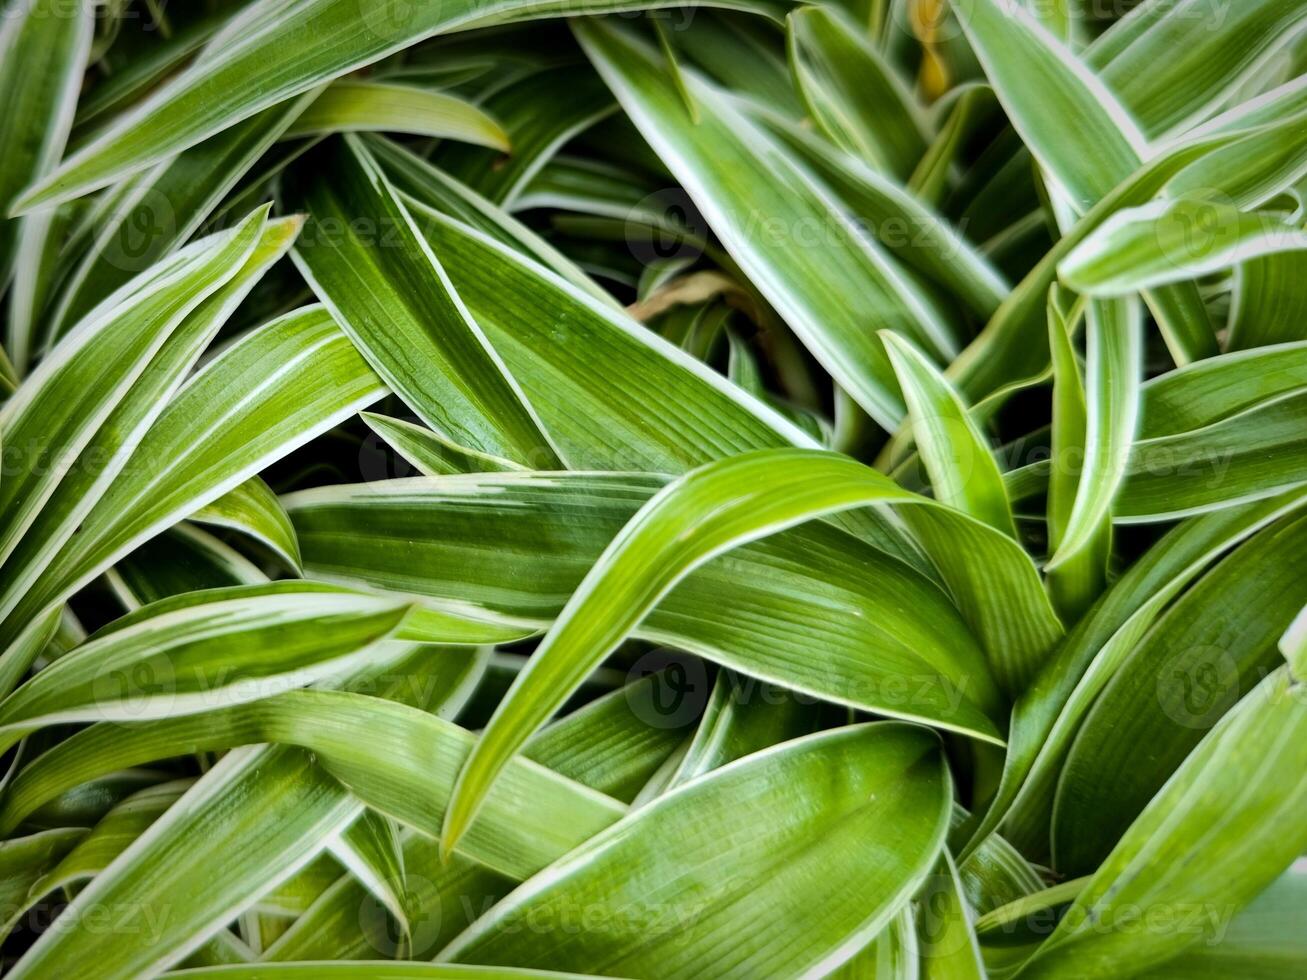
pixel 541 111
pixel 202 650
pixel 1170 241
pixel 1221 829
pixel 390 293
pixel 1114 364
pixel 1047 716
pixel 963 472
pixel 62 406
pixel 378 106
pixel 43 50
pixel 706 513
pixel 244 69
pixel 456 532
pixel 821 812
pixel 266 394
pixel 428 452
pixel 160 210
pixel 1079 580
pixel 855 96
pixel 1211 647
pixel 735 173
pixel 253 509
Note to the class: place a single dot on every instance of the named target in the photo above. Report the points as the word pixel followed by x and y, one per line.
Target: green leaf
pixel 456 535
pixel 1170 241
pixel 963 472
pixel 853 94
pixel 1223 825
pixel 821 813
pixel 428 452
pixel 367 970
pixel 253 509
pixel 949 949
pixel 705 513
pixel 1047 716
pixel 1078 580
pixel 1072 124
pixel 1172 62
pixel 735 172
pixel 1114 363
pixel 378 106
pixel 182 559
pixel 273 841
pixel 391 295
pixel 193 652
pixel 43 50
pixel 96 447
pixel 1212 646
pixel 245 69
pixel 541 111
pixel 161 209
pixel 265 395
pixel 1261 939
pixel 58 410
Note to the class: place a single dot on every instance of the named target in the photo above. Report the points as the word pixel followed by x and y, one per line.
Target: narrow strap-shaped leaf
pixel 266 394
pixel 541 111
pixel 199 650
pixel 945 926
pixel 253 509
pixel 1047 716
pixel 60 407
pixel 1208 391
pixel 1114 364
pixel 108 456
pixel 1261 938
pixel 1013 341
pixel 367 970
pixel 182 559
pixel 378 106
pixel 161 209
pixel 244 70
pixel 735 172
pixel 963 472
pixel 1171 62
pixel 704 513
pixel 1254 453
pixel 25 860
pixel 225 833
pixel 1269 304
pixel 1170 241
pixel 1077 582
pixel 370 850
pixel 273 841
pixel 392 296
pixel 425 186
pixel 743 716
pixel 607 745
pixel 1220 830
pixel 821 812
pixel 853 94
pixel 1211 647
pixel 1095 143
pixel 43 50
pixel 456 532
pixel 426 450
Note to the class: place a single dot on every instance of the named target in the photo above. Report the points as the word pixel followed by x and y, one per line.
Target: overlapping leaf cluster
pixel 624 489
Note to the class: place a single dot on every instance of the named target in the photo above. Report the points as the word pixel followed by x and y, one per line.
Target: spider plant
pixel 614 488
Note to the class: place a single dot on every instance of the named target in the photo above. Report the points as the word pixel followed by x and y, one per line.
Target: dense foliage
pixel 595 486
